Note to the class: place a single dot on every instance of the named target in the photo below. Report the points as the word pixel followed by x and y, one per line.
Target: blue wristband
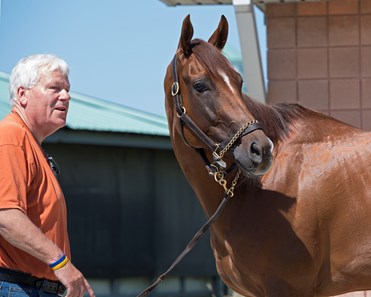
pixel 60 260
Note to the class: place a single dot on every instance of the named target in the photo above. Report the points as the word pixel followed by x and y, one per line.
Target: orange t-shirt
pixel 27 183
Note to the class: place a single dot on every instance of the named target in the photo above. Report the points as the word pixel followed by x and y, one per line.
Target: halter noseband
pixel 218 149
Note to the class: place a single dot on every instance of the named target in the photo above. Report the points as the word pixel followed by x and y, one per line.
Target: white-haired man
pixel 34 244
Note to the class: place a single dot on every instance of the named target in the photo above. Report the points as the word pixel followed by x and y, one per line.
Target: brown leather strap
pixel 189 246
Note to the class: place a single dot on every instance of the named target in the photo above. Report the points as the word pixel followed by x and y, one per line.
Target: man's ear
pixel 21 96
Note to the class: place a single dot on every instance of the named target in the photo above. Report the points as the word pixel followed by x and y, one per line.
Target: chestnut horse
pixel 303 228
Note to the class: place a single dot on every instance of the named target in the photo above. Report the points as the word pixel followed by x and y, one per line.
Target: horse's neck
pixel 292 121
pixel 275 119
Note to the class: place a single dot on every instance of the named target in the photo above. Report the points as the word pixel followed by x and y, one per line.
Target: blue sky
pixel 118 50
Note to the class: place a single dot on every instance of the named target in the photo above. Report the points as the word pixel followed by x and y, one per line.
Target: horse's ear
pixel 186 36
pixel 219 37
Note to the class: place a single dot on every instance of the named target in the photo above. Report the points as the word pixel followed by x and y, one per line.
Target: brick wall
pixel 319 55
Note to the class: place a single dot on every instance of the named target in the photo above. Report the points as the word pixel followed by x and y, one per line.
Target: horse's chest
pixel 261 243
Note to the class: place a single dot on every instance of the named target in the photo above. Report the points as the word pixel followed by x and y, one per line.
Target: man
pixel 34 244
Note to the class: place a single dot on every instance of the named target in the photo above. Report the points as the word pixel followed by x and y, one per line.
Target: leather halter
pixel 218 149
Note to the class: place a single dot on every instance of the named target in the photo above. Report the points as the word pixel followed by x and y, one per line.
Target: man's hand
pixel 74 281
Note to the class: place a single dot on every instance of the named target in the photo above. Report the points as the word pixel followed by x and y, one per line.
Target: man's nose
pixel 65 95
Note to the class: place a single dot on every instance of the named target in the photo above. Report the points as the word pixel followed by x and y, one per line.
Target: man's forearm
pixel 17 229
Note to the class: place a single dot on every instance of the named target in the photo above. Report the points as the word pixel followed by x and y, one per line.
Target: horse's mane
pixel 276 119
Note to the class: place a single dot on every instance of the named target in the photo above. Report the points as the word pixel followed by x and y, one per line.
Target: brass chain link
pixel 219 178
pixel 235 138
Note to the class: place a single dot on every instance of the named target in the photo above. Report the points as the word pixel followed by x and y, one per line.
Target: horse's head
pixel 208 90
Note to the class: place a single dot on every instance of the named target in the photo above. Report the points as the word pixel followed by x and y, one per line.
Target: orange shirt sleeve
pixel 14 173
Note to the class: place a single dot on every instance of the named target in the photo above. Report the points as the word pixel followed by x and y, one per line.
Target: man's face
pixel 47 103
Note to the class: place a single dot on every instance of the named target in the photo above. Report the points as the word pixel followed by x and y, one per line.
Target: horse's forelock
pixel 211 58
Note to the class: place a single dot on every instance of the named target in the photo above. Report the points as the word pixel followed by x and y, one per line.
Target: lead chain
pixel 235 137
pixel 219 178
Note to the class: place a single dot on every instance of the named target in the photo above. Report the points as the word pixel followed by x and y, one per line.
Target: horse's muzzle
pixel 254 156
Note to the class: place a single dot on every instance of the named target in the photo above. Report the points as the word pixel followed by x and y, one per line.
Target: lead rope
pixel 229 192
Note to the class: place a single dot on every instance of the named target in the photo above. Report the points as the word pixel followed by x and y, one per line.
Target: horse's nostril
pixel 255 150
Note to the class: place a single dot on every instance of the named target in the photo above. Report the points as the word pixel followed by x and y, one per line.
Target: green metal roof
pixel 93 114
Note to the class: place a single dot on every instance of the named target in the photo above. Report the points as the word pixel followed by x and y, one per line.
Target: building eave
pixel 143 141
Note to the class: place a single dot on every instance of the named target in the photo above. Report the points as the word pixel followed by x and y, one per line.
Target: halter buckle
pixel 182 111
pixel 216 156
pixel 175 89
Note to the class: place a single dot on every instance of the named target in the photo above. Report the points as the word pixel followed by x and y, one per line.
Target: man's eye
pixel 200 87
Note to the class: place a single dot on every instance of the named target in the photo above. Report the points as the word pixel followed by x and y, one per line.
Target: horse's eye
pixel 200 87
